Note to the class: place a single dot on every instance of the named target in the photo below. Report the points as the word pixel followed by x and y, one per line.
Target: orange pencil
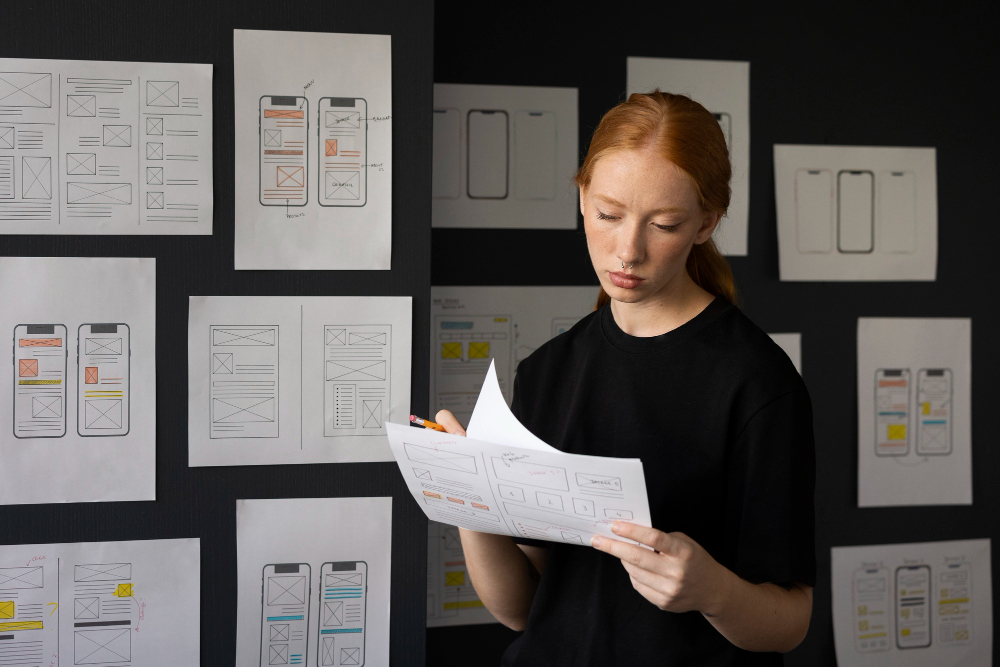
pixel 426 423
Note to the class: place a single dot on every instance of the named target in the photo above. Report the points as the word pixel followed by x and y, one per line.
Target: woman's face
pixel 642 211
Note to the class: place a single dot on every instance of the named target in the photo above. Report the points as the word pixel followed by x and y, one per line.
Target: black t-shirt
pixel 723 425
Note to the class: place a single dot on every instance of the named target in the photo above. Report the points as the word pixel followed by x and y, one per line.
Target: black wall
pixel 201 502
pixel 901 75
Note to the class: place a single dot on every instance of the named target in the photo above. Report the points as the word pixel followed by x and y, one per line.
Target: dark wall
pixel 201 502
pixel 873 76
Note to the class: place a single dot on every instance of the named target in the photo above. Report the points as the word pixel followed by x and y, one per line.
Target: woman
pixel 667 370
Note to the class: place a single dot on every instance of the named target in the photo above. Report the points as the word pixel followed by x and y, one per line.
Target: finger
pixel 656 580
pixel 657 598
pixel 651 537
pixel 636 555
pixel 450 423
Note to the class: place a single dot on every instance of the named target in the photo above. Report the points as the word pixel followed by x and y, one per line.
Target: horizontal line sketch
pixel 243 362
pixel 356 359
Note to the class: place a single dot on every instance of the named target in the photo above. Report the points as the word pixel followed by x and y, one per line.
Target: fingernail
pixel 595 541
pixel 616 528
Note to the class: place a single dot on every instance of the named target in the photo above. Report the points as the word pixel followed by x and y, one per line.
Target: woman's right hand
pixel 450 423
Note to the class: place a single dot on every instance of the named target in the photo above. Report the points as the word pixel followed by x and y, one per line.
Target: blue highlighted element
pixel 456 325
pixel 285 618
pixel 341 631
pixel 935 421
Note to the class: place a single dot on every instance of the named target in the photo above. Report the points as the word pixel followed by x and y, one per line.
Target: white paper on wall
pixel 79 403
pixel 313 150
pixel 90 147
pixel 856 212
pixel 470 326
pixel 313 581
pixel 928 603
pixel 722 87
pixel 451 599
pixel 276 380
pixel 101 603
pixel 505 156
pixel 914 411
pixel 791 343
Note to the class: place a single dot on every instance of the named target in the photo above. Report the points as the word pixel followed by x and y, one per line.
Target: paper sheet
pixel 100 603
pixel 722 87
pixel 472 325
pixel 275 380
pixel 314 581
pixel 920 604
pixel 791 343
pixel 914 411
pixel 313 150
pixel 856 212
pixel 505 156
pixel 91 147
pixel 451 599
pixel 78 422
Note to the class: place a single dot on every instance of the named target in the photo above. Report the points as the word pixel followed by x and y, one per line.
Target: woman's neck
pixel 673 306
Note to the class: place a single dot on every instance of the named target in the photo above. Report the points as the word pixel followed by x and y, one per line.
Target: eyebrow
pixel 665 209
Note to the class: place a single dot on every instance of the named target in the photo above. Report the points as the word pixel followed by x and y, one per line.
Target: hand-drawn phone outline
pixel 468 154
pixel 80 381
pixel 801 178
pixel 260 145
pixel 927 598
pixel 263 605
pixel 964 565
pixel 65 379
pixel 321 153
pixel 519 120
pixel 364 619
pixel 903 373
pixel 883 572
pixel 922 373
pixel 447 111
pixel 871 212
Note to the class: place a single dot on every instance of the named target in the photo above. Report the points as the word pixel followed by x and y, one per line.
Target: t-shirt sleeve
pixel 772 478
pixel 515 407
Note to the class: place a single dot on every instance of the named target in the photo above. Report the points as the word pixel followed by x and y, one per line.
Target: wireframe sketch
pixel 871 597
pixel 535 149
pixel 284 151
pixel 447 177
pixel 286 595
pixel 934 392
pixel 244 376
pixel 40 377
pixel 855 211
pixel 103 360
pixel 913 606
pixel 954 603
pixel 897 212
pixel 464 346
pixel 343 151
pixel 451 598
pixel 488 157
pixel 357 361
pixel 104 613
pixel 343 593
pixel 892 411
pixel 814 205
pixel 27 596
pixel 29 140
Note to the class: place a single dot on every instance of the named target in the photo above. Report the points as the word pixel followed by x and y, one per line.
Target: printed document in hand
pixel 504 480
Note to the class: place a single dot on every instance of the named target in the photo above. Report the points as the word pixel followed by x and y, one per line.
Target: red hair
pixel 687 134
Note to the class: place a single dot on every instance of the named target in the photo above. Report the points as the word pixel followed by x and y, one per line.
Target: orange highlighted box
pixel 433 495
pixel 481 507
pixel 27 368
pixel 284 113
pixel 90 375
pixel 331 147
pixel 41 342
pixel 456 500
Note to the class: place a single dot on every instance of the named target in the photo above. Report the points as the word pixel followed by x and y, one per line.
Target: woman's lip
pixel 625 280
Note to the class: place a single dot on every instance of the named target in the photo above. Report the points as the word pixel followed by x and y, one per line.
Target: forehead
pixel 642 176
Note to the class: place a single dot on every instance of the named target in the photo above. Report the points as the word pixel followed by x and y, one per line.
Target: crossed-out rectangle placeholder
pixel 46 407
pixel 21 577
pixel 286 590
pixel 291 177
pixel 90 374
pixel 99 193
pixel 27 368
pixel 25 89
pixel 355 370
pixel 344 119
pixel 154 150
pixel 81 164
pixel 118 136
pixel 154 126
pixel 95 346
pixel 343 184
pixel 441 458
pixel 81 106
pixel 154 175
pixel 100 647
pixel 244 337
pixel 102 572
pixel 374 338
pixel 102 413
pixel 272 138
pixel 162 93
pixel 242 410
pixel 86 608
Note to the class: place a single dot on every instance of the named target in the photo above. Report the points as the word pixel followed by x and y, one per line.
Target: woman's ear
pixel 708 224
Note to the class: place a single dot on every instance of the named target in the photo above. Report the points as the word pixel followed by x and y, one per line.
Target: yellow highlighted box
pixel 897 431
pixel 7 609
pixel 479 350
pixel 464 604
pixel 123 591
pixel 454 578
pixel 926 408
pixel 451 350
pixel 14 626
pixel 39 381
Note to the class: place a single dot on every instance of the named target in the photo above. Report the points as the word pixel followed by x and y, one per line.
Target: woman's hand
pixel 678 576
pixel 450 422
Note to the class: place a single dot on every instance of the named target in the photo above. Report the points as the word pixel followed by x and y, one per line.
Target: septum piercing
pixel 629 266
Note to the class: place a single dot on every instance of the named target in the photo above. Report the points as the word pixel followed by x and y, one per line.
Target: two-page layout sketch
pixel 470 326
pixel 451 598
pixel 317 134
pixel 100 603
pixel 722 87
pixel 504 156
pixel 92 147
pixel 856 212
pixel 296 380
pixel 81 379
pixel 319 608
pixel 915 604
pixel 914 398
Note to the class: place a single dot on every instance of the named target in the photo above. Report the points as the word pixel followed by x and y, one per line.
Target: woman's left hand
pixel 678 576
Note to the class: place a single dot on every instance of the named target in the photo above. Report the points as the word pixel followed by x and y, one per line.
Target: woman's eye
pixel 668 228
pixel 604 216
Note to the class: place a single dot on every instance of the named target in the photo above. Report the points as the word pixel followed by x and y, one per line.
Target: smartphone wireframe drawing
pixel 872 609
pixel 892 411
pixel 343 151
pixel 488 160
pixel 813 210
pixel 726 123
pixel 103 355
pixel 40 362
pixel 535 144
pixel 286 594
pixel 855 211
pixel 913 614
pixel 343 592
pixel 954 604
pixel 897 212
pixel 447 163
pixel 934 395
pixel 284 150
